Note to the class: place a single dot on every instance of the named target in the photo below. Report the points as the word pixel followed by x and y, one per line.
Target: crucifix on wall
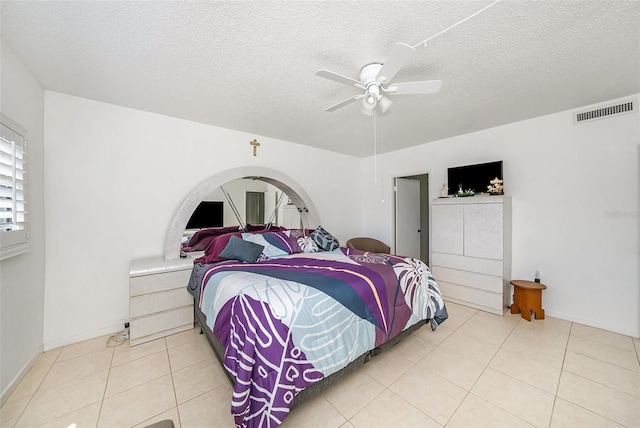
pixel 255 145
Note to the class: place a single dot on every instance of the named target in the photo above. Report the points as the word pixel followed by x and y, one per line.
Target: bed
pixel 289 311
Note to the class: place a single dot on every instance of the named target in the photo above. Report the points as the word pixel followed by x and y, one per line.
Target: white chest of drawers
pixel 471 250
pixel 159 303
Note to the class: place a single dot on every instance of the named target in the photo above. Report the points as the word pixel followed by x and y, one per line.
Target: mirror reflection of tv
pixel 207 214
pixel 475 177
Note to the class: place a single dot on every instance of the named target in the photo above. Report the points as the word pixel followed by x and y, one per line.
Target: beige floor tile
pixel 486 332
pixel 353 392
pixel 190 353
pixel 12 409
pixel 460 370
pixel 390 410
pixel 603 336
pixel 50 403
pixel 171 414
pixel 83 348
pixel 548 326
pixel 125 353
pixel 31 382
pixel 458 315
pixel 602 372
pixel 435 337
pixel 608 402
pixel 600 351
pixel 555 335
pixel 47 358
pixel 468 346
pixel 387 367
pixel 429 393
pixel 315 413
pixel 504 323
pixel 536 348
pixel 413 348
pixel 478 413
pixel 198 379
pixel 566 414
pixel 213 408
pixel 137 372
pixel 347 425
pixel 185 337
pixel 526 369
pixel 72 368
pixel 138 404
pixel 85 417
pixel 514 396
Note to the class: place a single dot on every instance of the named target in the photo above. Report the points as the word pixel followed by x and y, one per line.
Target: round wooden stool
pixel 527 298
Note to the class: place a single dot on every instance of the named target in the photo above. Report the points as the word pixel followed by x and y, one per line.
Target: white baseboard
pixel 18 378
pixel 78 338
pixel 591 322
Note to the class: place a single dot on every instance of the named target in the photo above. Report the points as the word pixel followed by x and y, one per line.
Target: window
pixel 13 226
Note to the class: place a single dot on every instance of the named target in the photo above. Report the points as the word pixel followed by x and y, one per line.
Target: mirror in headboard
pixel 234 179
pixel 242 201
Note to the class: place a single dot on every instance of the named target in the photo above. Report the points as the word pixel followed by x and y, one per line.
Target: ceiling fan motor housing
pixel 369 73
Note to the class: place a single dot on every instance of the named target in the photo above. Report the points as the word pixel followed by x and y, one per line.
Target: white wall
pixel 575 192
pixel 114 179
pixel 22 277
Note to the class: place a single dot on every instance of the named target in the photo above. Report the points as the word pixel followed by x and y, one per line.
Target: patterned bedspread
pixel 289 322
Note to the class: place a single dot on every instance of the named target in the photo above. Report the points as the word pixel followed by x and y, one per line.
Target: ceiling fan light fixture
pixel 384 103
pixel 369 102
pixel 367 111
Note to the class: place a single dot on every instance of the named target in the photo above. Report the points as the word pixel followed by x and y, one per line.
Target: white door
pixel 408 217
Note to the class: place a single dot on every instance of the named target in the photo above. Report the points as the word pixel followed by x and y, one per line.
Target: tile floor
pixel 475 370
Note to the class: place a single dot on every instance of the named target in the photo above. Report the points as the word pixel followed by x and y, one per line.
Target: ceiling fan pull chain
pixel 375 149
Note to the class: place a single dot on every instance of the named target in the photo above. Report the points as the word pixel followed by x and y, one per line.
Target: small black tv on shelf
pixel 475 177
pixel 207 214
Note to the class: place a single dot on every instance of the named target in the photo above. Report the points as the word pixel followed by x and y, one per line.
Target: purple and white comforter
pixel 289 322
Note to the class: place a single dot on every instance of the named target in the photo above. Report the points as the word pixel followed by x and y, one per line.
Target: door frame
pixel 425 252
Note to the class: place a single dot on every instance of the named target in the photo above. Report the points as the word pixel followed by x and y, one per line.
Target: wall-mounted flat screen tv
pixel 207 214
pixel 475 177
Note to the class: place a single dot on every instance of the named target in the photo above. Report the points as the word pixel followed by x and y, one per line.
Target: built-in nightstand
pixel 159 303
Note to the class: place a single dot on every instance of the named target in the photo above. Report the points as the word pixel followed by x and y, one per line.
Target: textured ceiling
pixel 249 65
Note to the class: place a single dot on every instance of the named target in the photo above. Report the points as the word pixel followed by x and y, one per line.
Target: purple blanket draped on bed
pixel 288 322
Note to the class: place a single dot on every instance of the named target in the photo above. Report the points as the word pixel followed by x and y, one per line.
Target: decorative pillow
pixel 239 249
pixel 203 238
pixel 324 239
pixel 301 241
pixel 216 246
pixel 276 244
pixel 307 244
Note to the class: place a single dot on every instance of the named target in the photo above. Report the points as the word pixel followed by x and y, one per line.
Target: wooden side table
pixel 527 298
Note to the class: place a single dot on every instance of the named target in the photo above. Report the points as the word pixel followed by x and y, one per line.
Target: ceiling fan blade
pixel 339 78
pixel 344 103
pixel 426 87
pixel 399 57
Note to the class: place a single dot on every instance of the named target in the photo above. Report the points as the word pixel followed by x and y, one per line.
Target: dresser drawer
pixel 472 264
pixel 161 321
pixel 146 284
pixel 472 280
pixel 159 302
pixel 473 297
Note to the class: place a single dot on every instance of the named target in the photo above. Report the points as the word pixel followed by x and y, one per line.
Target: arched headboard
pixel 308 213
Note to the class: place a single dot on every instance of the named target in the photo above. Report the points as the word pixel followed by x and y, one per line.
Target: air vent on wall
pixel 628 106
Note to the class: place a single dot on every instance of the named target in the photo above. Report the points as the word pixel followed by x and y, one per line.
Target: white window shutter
pixel 13 201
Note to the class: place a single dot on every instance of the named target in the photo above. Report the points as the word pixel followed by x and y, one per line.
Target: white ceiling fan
pixel 375 79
